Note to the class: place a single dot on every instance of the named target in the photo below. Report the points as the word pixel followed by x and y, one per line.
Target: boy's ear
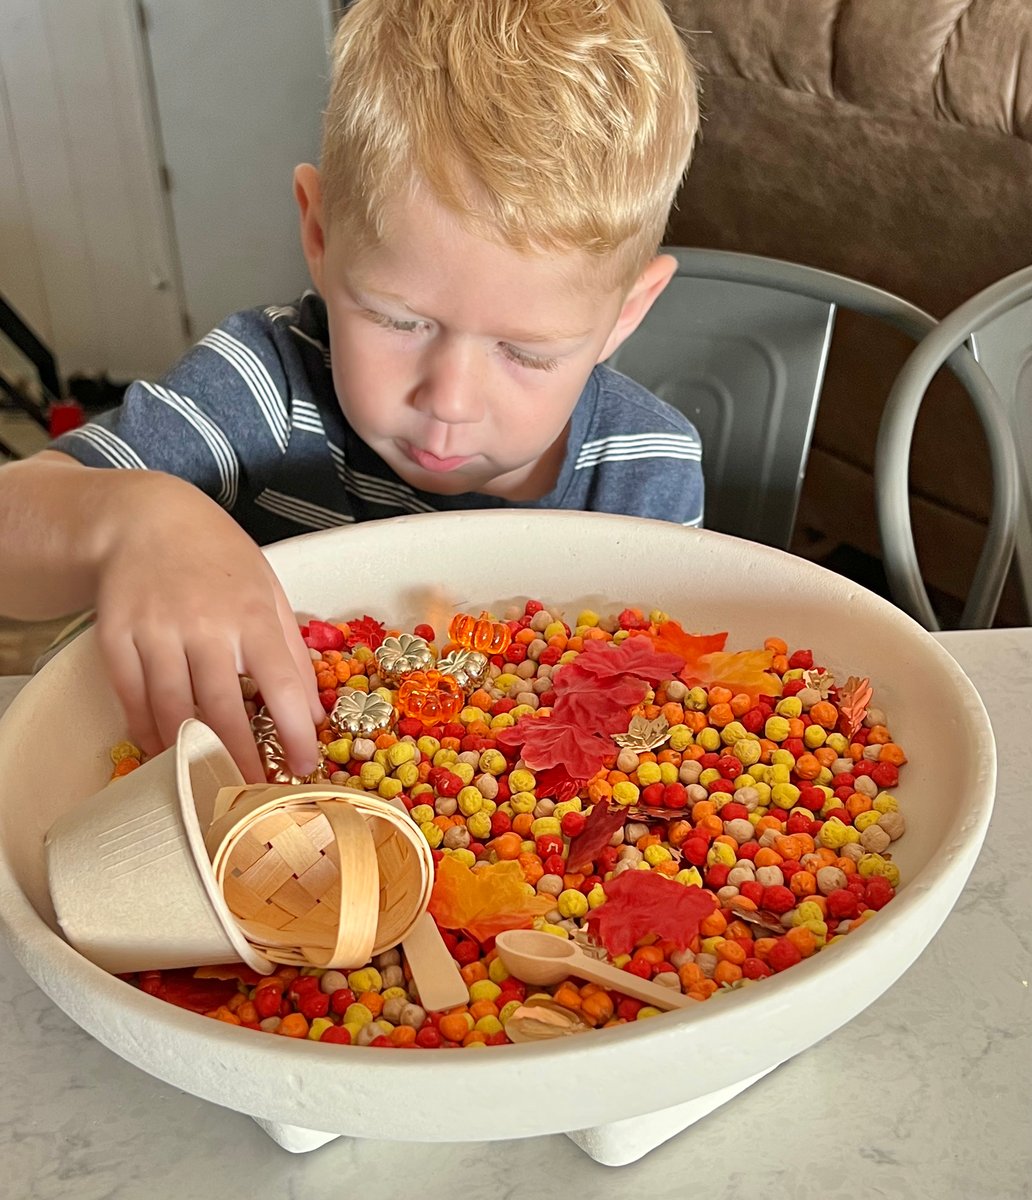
pixel 308 194
pixel 653 279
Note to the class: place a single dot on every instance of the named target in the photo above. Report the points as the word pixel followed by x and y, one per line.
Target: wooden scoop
pixel 542 958
pixel 435 972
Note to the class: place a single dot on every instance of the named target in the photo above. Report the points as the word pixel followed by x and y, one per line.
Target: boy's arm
pixel 185 599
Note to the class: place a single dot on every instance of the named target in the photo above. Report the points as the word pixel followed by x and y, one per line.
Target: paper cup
pixel 129 877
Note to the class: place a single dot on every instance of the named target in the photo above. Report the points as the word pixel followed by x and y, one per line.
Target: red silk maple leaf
pixel 365 631
pixel 551 741
pixel 599 828
pixel 556 783
pixel 640 903
pixel 637 656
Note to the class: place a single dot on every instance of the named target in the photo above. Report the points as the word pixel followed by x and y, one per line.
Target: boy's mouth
pixel 430 462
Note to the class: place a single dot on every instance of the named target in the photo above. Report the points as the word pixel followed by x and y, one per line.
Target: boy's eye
pixel 390 323
pixel 530 361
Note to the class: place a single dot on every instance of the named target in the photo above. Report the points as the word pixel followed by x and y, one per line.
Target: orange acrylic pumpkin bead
pixel 480 633
pixel 430 697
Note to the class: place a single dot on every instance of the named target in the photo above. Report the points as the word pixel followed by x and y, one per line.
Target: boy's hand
pixel 186 603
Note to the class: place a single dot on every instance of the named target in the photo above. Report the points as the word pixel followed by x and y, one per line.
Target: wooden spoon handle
pixel 608 976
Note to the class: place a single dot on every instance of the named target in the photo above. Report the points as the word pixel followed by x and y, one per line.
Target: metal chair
pixel 739 344
pixel 999 320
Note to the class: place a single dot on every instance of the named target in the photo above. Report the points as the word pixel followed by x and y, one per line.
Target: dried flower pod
pixel 360 713
pixel 541 1019
pixel 398 656
pixel 469 668
pixel 480 633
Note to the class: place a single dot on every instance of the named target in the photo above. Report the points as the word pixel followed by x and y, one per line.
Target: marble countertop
pixel 927 1095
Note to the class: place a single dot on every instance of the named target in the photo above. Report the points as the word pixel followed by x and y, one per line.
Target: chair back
pixel 1004 348
pixel 745 365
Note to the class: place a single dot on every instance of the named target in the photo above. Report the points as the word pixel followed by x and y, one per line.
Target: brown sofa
pixel 888 140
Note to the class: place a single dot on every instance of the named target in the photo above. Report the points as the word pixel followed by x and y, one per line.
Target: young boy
pixel 495 180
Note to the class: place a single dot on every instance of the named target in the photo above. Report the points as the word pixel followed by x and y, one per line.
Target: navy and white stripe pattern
pixel 250 416
pixel 635 446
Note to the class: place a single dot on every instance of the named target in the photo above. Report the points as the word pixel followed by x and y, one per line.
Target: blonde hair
pixel 550 125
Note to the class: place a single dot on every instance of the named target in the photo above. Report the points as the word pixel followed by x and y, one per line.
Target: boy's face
pixel 458 360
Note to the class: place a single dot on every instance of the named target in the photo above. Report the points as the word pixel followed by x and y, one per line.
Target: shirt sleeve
pixel 219 418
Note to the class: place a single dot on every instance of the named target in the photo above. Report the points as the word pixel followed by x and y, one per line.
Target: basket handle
pixel 359 888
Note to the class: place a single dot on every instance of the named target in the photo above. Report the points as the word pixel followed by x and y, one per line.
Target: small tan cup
pixel 129 877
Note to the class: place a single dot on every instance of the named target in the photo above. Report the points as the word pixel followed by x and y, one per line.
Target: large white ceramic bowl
pixel 53 752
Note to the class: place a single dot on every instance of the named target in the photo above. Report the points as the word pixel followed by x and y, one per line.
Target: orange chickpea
pixel 738 929
pixel 779 664
pixel 776 645
pixel 473 973
pixel 669 868
pixel 763 947
pixel 532 868
pixel 731 952
pixel 508 846
pixel 858 803
pixel 711 825
pixel 653 955
pixel 721 715
pixel 807 766
pixel 703 808
pixel 825 755
pixel 599 789
pixel 247 1013
pixel 521 824
pixel 475 1036
pixel 293 1025
pixel 803 939
pixel 802 883
pixel 891 753
pixel 878 735
pixel 796 728
pixel 845 865
pixel 483 1008
pixel 765 823
pixel 672 712
pixel 719 695
pixel 713 925
pixel 455 1026
pixel 695 721
pixel 690 975
pixel 597 1008
pixel 727 972
pixel 766 856
pixel 789 847
pixel 402 1035
pixel 741 702
pixel 568 996
pixel 825 714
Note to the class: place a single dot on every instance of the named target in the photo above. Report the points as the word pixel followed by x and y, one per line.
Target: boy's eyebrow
pixel 516 335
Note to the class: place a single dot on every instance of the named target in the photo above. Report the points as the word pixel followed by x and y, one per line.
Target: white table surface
pixel 926 1094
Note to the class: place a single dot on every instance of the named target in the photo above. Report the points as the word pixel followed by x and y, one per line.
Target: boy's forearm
pixel 58 519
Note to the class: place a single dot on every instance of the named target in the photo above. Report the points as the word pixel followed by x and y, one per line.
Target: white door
pixel 239 89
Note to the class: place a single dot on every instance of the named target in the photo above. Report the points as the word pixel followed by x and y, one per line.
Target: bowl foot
pixel 612 1145
pixel 622 1142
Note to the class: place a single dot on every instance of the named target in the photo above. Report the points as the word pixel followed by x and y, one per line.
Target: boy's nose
pixel 451 384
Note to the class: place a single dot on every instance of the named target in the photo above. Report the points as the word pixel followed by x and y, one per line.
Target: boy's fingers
pixel 168 688
pixel 126 675
pixel 299 653
pixel 287 699
pixel 217 689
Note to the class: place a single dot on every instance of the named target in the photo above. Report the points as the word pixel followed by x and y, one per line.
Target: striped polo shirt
pixel 250 416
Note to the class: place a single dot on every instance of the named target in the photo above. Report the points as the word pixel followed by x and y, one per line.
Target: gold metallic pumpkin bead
pixel 398 656
pixel 358 712
pixel 469 668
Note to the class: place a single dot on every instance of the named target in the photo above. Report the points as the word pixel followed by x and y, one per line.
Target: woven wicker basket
pixel 318 875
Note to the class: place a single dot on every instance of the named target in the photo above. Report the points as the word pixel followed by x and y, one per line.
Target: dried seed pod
pixel 398 656
pixel 541 1019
